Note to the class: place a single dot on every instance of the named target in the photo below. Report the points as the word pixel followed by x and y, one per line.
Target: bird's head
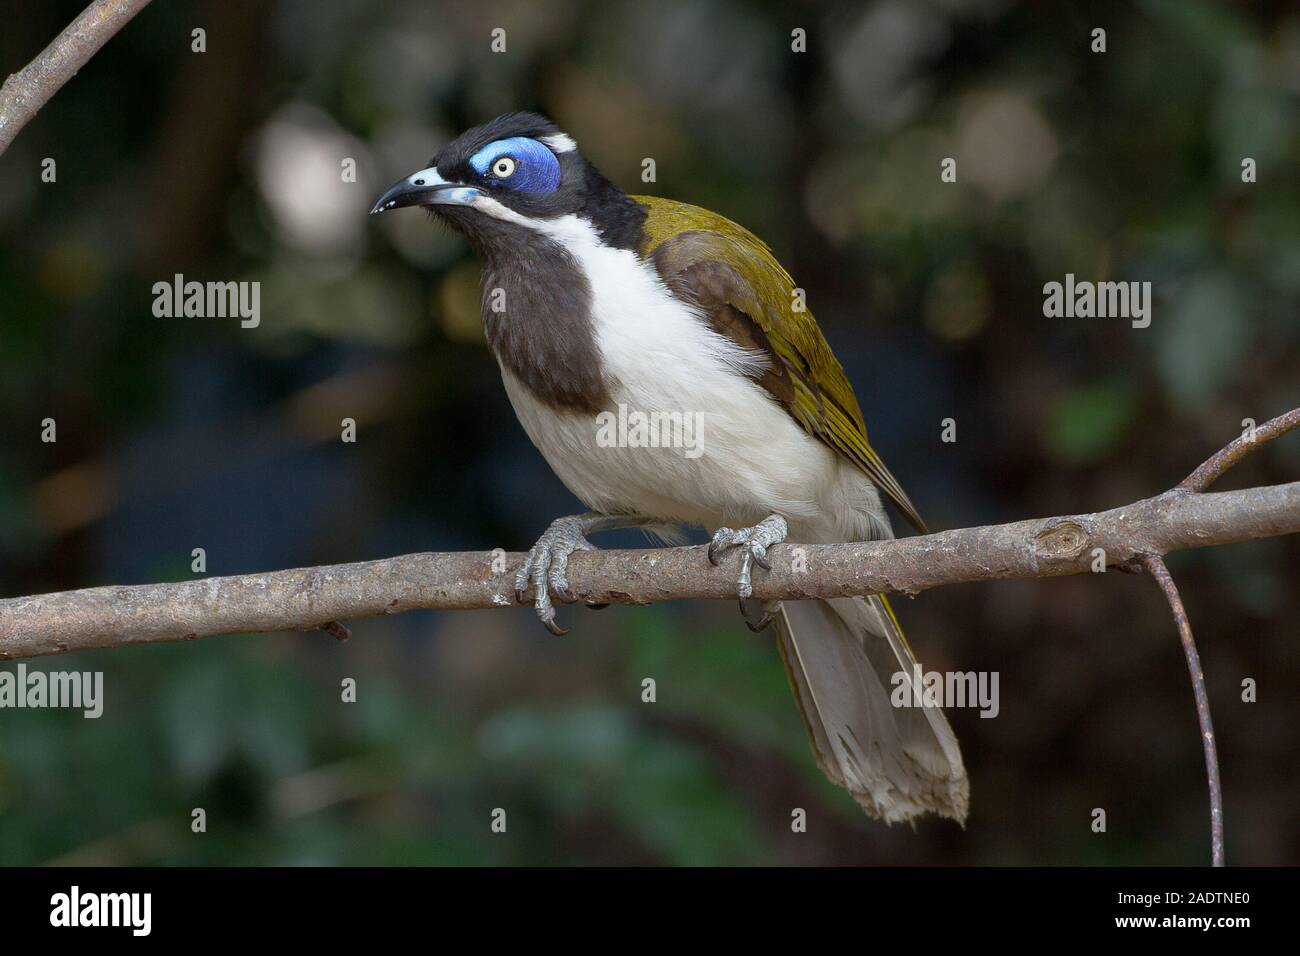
pixel 519 171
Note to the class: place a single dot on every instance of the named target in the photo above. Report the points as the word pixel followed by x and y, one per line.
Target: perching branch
pixel 310 598
pixel 25 92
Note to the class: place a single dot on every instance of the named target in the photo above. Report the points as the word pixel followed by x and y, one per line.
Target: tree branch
pixel 1210 471
pixel 309 598
pixel 1213 468
pixel 25 92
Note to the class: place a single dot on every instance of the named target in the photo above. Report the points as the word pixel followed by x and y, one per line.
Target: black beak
pixel 425 188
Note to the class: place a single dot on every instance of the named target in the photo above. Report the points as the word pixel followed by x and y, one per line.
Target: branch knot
pixel 1060 539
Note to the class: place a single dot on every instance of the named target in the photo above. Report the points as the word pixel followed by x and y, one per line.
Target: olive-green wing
pixel 733 277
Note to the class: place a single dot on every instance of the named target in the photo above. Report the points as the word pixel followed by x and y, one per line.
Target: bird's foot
pixel 546 568
pixel 753 543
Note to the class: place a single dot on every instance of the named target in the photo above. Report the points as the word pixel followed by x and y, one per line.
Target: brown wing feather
pixel 745 294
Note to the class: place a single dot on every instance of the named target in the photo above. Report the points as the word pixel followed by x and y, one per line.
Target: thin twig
pixel 1205 475
pixel 1213 468
pixel 1156 566
pixel 26 91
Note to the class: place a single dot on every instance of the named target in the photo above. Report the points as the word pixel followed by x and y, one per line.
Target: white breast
pixel 739 455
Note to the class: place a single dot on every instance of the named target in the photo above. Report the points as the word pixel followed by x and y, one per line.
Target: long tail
pixel 898 762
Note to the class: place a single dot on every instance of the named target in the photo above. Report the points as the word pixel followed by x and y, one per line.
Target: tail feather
pixel 841 656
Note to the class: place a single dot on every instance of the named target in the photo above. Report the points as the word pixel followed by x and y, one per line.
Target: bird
pixel 595 301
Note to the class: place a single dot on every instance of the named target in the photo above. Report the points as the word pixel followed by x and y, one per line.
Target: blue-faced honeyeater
pixel 596 301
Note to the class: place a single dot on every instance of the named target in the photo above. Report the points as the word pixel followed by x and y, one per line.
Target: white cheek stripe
pixel 569 230
pixel 491 207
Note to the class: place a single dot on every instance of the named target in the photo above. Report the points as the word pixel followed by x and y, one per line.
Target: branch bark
pixel 309 598
pixel 25 92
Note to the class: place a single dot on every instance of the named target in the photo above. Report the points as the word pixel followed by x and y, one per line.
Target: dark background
pixel 183 433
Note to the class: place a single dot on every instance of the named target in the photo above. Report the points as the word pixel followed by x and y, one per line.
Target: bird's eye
pixel 503 168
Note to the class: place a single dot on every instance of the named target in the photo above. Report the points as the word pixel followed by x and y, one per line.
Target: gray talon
pixel 754 543
pixel 770 612
pixel 546 568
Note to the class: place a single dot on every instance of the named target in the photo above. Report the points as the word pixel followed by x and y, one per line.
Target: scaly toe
pixel 754 541
pixel 559 573
pixel 745 583
pixel 722 539
pixel 523 576
pixel 542 597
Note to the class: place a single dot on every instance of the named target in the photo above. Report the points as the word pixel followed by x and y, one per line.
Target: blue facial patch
pixel 537 170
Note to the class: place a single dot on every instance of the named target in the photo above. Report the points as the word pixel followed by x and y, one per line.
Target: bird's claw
pixel 753 543
pixel 546 568
pixel 770 612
